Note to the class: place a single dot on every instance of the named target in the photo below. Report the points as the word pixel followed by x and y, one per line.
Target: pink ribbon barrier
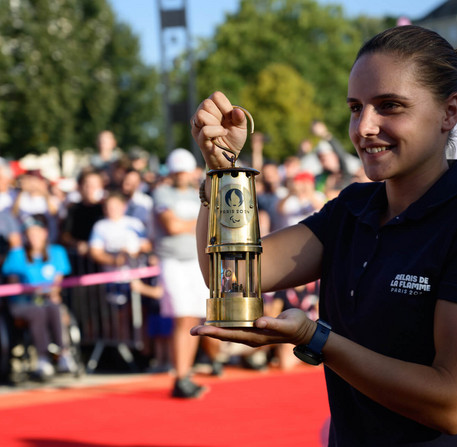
pixel 85 280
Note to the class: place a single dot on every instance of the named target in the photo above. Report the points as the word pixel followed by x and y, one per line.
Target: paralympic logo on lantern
pixel 234 212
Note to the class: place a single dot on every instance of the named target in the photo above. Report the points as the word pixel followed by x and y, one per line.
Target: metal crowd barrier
pixel 103 321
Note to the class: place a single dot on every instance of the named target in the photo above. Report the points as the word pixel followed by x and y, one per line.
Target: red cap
pixel 16 168
pixel 304 177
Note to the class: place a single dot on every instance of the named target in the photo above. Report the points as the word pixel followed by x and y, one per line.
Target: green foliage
pixel 67 71
pixel 316 41
pixel 279 91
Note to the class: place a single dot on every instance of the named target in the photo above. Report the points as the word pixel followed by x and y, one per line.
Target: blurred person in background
pixel 10 234
pixel 82 215
pixel 7 191
pixel 139 204
pixel 269 187
pixel 107 156
pixel 10 231
pixel 271 191
pixel 332 179
pixel 289 169
pixel 309 161
pixel 65 192
pixel 176 208
pixel 158 329
pixel 349 163
pixel 118 242
pixel 301 200
pixel 141 162
pixel 42 264
pixel 35 197
pixel 107 151
pixel 116 173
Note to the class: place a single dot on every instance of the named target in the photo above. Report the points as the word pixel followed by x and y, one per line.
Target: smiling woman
pixel 401 112
pixel 384 251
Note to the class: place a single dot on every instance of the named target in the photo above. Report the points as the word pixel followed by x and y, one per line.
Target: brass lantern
pixel 234 247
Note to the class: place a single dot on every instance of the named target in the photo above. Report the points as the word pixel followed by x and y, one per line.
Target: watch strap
pixel 319 337
pixel 312 352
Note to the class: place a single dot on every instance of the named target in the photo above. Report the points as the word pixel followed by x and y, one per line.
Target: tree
pixel 68 69
pixel 279 91
pixel 319 42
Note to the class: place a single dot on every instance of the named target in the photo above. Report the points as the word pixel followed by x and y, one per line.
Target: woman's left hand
pixel 291 326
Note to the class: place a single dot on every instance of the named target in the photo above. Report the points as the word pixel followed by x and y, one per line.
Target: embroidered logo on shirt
pixel 410 284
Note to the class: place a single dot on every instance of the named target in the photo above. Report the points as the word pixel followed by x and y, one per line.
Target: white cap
pixel 181 160
pixel 323 147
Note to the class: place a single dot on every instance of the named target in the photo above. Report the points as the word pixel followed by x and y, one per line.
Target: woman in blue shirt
pixel 44 265
pixel 386 252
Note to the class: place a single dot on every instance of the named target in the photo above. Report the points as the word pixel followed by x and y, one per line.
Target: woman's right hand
pixel 215 117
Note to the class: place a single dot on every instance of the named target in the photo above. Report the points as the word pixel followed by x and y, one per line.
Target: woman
pixel 386 252
pixel 176 208
pixel 40 264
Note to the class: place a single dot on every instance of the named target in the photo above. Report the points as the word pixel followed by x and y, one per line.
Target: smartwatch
pixel 312 352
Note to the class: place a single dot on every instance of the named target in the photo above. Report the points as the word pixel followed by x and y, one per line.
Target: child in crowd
pixel 116 242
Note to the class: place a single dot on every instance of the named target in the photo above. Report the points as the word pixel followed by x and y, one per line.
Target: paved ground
pixel 68 381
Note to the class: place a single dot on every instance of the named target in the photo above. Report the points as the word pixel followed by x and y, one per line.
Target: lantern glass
pixel 237 274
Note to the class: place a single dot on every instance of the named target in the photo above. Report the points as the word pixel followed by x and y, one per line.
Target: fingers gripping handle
pixel 232 159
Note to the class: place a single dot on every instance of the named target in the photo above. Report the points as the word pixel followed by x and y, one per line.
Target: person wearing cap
pixel 301 200
pixel 176 208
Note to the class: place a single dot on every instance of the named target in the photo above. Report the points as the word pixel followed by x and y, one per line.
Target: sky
pixel 205 15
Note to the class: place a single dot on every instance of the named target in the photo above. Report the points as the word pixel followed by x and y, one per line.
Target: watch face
pixel 307 356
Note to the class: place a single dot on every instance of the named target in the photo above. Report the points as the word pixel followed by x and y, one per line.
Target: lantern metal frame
pixel 234 247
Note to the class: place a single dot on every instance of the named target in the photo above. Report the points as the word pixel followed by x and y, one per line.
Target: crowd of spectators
pixel 114 217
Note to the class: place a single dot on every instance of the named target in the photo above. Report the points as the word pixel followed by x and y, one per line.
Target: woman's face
pixel 397 126
pixel 37 236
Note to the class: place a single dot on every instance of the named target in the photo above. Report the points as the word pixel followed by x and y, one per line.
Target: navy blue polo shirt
pixel 379 287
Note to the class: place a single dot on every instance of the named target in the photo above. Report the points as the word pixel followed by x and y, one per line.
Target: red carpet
pixel 243 408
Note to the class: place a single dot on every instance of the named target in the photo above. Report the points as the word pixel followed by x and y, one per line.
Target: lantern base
pixel 233 311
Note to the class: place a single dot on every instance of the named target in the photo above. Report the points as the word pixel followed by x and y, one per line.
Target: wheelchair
pixel 17 353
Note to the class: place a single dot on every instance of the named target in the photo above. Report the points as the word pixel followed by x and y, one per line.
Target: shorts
pixel 185 291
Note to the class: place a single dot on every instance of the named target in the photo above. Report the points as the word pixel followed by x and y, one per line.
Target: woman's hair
pixel 39 220
pixel 433 56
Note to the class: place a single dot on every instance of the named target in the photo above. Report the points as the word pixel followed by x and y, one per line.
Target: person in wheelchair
pixel 38 263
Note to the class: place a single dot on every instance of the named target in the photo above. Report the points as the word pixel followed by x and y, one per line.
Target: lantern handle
pixel 234 156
